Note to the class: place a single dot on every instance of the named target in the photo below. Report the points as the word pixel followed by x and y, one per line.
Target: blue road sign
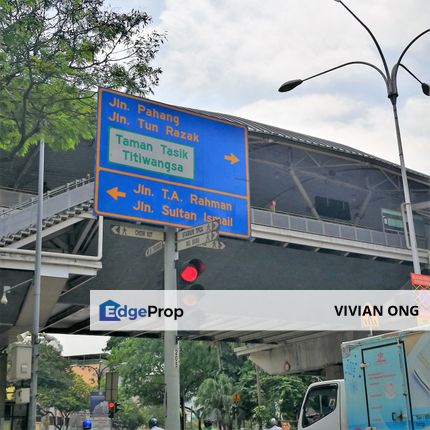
pixel 165 165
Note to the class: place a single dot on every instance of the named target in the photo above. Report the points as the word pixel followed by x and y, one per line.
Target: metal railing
pixel 23 215
pixel 82 190
pixel 49 194
pixel 331 229
pixel 10 198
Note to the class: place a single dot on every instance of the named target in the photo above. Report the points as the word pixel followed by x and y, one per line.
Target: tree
pixel 214 400
pixel 131 416
pixel 284 393
pixel 58 386
pixel 143 375
pixel 281 394
pixel 260 415
pixel 73 398
pixel 54 54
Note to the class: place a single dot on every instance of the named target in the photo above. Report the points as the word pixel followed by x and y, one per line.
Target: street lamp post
pixel 390 80
pixel 98 372
pixel 36 292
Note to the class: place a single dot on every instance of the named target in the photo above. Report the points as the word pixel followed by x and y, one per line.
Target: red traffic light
pixel 112 408
pixel 191 271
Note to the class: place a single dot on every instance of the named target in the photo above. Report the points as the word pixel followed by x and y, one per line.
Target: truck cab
pixel 324 407
pixel 386 386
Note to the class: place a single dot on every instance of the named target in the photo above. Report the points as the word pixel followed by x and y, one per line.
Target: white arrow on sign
pixel 141 233
pixel 216 244
pixel 154 249
pixel 197 240
pixel 196 231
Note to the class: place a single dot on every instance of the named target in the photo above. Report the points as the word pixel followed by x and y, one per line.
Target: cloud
pixel 231 57
pixel 224 40
pixel 355 123
pixel 81 345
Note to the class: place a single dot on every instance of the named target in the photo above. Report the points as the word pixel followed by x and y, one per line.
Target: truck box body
pixel 387 381
pixel 386 387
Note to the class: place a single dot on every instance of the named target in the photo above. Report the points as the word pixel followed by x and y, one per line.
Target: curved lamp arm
pixel 410 44
pixel 378 47
pixel 289 85
pixel 398 64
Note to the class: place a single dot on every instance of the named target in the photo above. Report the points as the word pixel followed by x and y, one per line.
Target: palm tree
pixel 214 400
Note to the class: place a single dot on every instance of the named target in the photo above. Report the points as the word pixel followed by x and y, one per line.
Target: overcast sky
pixel 231 56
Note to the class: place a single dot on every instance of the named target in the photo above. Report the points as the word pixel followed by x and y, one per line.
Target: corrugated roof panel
pixel 257 127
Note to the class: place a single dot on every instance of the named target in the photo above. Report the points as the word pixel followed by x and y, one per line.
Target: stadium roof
pixel 305 139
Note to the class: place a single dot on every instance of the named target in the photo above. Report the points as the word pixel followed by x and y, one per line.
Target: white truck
pixel 386 387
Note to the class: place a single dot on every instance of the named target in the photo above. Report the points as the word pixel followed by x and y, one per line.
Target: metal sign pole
pixel 36 292
pixel 171 363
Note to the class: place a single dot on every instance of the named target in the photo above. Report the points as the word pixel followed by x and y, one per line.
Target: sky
pixel 231 56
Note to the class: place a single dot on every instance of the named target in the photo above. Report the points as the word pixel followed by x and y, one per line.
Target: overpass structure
pixel 324 216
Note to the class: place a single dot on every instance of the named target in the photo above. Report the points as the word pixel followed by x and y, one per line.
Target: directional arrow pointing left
pixel 115 193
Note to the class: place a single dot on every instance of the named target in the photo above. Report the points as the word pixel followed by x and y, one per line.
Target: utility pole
pixel 36 292
pixel 257 375
pixel 171 347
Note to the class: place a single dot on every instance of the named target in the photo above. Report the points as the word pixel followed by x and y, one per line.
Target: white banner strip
pixel 259 310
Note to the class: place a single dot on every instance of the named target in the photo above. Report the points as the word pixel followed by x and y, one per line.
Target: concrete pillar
pixel 3 385
pixel 334 371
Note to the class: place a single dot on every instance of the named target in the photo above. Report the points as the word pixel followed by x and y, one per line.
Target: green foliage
pixel 210 372
pixel 280 394
pixel 143 373
pixel 230 363
pixel 214 399
pixel 198 360
pixel 54 54
pixel 53 373
pixel 132 416
pixel 58 386
pixel 260 414
pixel 284 393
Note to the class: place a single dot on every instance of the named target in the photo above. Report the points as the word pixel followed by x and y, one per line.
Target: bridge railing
pixel 80 191
pixel 24 215
pixel 10 197
pixel 331 229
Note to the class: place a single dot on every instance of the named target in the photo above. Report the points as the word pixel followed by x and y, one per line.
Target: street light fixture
pixel 390 80
pixel 3 299
pixel 98 370
pixel 7 289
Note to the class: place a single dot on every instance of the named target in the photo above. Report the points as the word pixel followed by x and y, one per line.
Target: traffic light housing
pixel 189 273
pixel 111 409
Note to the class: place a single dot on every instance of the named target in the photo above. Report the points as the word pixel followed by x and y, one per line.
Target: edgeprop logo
pixel 113 311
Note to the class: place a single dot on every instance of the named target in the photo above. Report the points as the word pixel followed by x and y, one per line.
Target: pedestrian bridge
pixel 323 216
pixel 71 267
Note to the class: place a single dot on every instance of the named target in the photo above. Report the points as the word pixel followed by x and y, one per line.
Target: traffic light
pixel 192 291
pixel 189 273
pixel 111 409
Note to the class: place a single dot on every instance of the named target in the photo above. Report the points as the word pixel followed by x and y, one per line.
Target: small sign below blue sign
pixel 169 166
